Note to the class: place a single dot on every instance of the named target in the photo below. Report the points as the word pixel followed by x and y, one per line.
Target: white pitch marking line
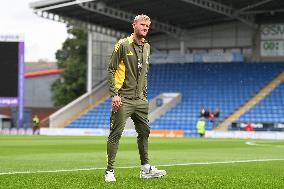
pixel 255 144
pixel 130 167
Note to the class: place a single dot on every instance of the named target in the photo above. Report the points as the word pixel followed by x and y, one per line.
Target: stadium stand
pixel 220 31
pixel 214 85
pixel 269 110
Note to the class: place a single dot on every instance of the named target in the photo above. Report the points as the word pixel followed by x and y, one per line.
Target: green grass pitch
pixel 78 162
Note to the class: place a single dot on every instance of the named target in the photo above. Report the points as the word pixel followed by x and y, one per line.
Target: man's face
pixel 141 27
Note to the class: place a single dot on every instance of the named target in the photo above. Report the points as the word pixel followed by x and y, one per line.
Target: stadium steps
pixel 251 102
pixel 78 107
pixel 84 111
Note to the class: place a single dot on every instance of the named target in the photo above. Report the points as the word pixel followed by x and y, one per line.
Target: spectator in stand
pixel 248 127
pixel 217 113
pixel 210 115
pixel 202 112
pixel 206 113
pixel 216 117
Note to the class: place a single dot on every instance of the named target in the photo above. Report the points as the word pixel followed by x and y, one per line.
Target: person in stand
pixel 206 113
pixel 211 116
pixel 216 116
pixel 217 113
pixel 248 127
pixel 202 112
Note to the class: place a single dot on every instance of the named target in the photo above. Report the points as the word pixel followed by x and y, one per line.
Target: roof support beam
pixel 263 11
pixel 56 6
pixel 222 9
pixel 101 8
pixel 253 6
pixel 81 24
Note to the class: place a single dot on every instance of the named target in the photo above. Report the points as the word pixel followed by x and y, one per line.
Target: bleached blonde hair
pixel 142 17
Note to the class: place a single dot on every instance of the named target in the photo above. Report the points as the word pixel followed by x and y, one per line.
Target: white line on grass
pixel 267 145
pixel 130 167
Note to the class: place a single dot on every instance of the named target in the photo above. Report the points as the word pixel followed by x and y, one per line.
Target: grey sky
pixel 42 37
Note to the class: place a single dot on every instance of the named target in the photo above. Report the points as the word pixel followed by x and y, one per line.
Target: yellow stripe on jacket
pixel 119 76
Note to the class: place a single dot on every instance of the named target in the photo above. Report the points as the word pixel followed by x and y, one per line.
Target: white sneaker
pixel 151 172
pixel 109 176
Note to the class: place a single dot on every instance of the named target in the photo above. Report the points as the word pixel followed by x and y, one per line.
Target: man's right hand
pixel 116 103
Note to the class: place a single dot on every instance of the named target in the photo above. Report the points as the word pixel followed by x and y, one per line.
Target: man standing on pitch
pixel 127 73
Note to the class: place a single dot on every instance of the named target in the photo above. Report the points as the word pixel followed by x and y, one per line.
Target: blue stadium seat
pixel 269 110
pixel 223 86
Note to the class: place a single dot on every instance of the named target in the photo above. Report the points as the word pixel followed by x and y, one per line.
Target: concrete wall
pixel 228 35
pixel 101 49
pixel 38 91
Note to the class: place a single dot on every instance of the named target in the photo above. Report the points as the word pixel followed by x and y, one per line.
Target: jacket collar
pixel 131 39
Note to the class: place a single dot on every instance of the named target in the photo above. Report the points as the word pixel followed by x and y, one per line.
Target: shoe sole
pixel 110 180
pixel 155 176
